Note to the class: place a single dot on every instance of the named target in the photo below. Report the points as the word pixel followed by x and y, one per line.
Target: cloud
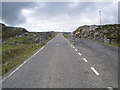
pixel 73 5
pixel 58 16
pixel 11 12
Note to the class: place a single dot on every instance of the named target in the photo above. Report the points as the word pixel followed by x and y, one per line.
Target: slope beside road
pixel 62 65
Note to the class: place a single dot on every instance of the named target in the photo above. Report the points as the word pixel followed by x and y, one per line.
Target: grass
pixel 50 38
pixel 0 60
pixel 0 65
pixel 13 55
pixel 0 48
pixel 66 35
pixel 112 44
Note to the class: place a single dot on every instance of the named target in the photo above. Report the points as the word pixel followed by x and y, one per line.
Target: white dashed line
pixel 75 49
pixel 109 88
pixel 79 53
pixel 94 71
pixel 85 59
pixel 71 45
pixel 57 44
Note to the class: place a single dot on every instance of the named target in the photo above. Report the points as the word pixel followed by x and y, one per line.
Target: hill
pixel 11 32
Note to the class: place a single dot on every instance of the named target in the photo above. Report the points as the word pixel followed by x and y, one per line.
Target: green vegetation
pixel 112 44
pixel 47 40
pixel 66 35
pixel 1 68
pixel 14 55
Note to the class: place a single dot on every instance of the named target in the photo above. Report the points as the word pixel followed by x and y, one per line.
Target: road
pixel 62 65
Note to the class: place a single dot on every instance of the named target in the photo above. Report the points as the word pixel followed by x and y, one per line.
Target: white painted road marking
pixel 79 53
pixel 110 88
pixel 75 49
pixel 65 38
pixel 85 59
pixel 94 71
pixel 71 45
pixel 57 44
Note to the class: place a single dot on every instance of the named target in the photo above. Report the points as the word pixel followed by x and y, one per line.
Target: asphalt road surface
pixel 63 65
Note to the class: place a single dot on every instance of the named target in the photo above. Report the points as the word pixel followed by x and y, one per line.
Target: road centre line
pixel 94 70
pixel 75 49
pixel 57 44
pixel 85 59
pixel 79 53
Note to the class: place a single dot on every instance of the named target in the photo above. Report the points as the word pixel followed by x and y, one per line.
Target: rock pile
pixel 105 33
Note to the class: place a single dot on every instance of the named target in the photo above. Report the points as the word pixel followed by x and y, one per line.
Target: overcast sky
pixel 57 16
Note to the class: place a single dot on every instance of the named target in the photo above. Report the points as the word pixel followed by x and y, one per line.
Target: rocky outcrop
pixel 104 33
pixel 20 36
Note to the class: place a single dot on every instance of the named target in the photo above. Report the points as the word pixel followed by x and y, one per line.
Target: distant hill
pixel 105 33
pixel 11 32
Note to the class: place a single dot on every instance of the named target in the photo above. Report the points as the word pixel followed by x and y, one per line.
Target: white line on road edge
pixel 65 38
pixel 79 53
pixel 85 59
pixel 94 71
pixel 23 63
pixel 75 49
pixel 48 42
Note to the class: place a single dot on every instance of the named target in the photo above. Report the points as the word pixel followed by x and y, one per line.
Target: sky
pixel 58 16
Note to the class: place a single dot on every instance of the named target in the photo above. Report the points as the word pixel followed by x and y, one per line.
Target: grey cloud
pixel 52 10
pixel 11 12
pixel 57 8
pixel 0 10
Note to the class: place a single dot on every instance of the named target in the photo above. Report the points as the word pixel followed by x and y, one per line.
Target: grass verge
pixel 66 35
pixel 112 44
